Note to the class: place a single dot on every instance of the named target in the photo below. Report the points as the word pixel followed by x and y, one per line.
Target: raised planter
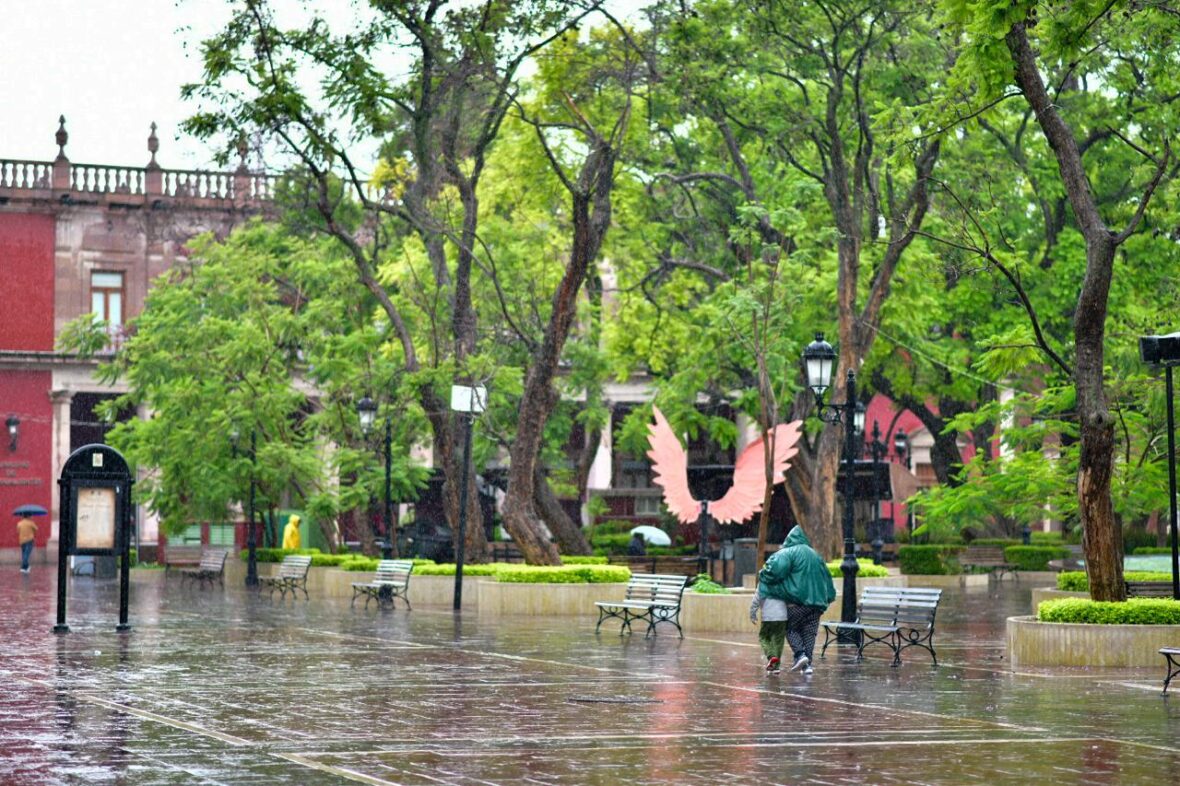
pixel 1049 593
pixel 1032 643
pixel 706 613
pixel 948 581
pixel 545 600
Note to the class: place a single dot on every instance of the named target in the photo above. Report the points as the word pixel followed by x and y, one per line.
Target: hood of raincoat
pixel 796 537
pixel 797 574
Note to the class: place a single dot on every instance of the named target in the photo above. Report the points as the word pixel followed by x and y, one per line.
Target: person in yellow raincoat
pixel 291 539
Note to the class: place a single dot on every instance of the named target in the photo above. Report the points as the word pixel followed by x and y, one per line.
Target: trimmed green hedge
pixel 931 560
pixel 704 585
pixel 995 542
pixel 562 574
pixel 1136 611
pixel 867 569
pixel 616 542
pixel 1034 557
pixel 1076 580
pixel 362 564
pixel 575 559
pixel 1141 551
pixel 448 569
pixel 276 555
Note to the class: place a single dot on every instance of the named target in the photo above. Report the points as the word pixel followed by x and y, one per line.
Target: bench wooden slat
pixel 210 567
pixel 904 617
pixel 292 575
pixel 390 581
pixel 651 597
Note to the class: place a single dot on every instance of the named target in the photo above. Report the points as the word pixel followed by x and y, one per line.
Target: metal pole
pixel 64 547
pixel 462 534
pixel 125 567
pixel 1172 483
pixel 877 448
pixel 251 545
pixel 390 534
pixel 849 567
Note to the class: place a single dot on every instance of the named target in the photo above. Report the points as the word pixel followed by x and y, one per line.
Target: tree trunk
pixel 1101 538
pixel 568 534
pixel 593 187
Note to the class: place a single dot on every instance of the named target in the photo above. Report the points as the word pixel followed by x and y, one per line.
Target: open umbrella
pixel 30 510
pixel 653 535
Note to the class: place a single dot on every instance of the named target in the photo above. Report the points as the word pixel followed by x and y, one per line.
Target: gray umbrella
pixel 30 510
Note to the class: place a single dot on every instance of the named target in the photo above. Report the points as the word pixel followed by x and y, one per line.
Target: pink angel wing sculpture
pixel 669 462
pixel 745 497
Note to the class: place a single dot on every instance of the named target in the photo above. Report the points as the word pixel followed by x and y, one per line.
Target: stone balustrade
pixel 64 181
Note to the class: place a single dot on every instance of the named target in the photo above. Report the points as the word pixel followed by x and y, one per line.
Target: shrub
pixel 995 542
pixel 614 528
pixel 358 563
pixel 448 569
pixel 575 559
pixel 1047 539
pixel 670 551
pixel 329 560
pixel 706 586
pixel 1145 550
pixel 562 574
pixel 1076 580
pixel 933 560
pixel 1034 557
pixel 1136 611
pixel 611 543
pixel 867 569
pixel 1137 538
pixel 276 555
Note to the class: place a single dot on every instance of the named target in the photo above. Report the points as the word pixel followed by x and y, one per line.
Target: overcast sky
pixel 112 67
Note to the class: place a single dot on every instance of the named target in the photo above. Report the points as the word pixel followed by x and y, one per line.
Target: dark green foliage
pixel 704 585
pixel 995 542
pixel 614 544
pixel 1136 611
pixel 573 559
pixel 1141 551
pixel 932 560
pixel 1034 557
pixel 276 555
pixel 1136 539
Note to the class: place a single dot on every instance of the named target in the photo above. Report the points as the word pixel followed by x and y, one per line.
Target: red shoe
pixel 773 666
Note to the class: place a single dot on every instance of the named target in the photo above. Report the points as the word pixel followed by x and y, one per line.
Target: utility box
pixel 745 558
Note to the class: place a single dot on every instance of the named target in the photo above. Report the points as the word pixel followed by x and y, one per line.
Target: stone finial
pixel 243 149
pixel 153 146
pixel 61 137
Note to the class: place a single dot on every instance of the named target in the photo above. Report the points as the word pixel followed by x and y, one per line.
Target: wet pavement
pixel 224 687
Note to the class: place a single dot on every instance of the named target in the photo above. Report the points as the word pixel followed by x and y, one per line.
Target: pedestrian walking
pixel 773 632
pixel 26 534
pixel 799 577
pixel 291 537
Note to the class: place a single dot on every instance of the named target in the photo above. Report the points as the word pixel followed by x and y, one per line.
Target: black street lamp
pixel 1165 351
pixel 366 410
pixel 878 450
pixel 467 401
pixel 251 541
pixel 819 359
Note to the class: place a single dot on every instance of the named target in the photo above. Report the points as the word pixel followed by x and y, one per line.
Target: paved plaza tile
pixel 225 687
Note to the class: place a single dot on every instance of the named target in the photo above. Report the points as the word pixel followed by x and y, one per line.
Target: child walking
pixel 773 632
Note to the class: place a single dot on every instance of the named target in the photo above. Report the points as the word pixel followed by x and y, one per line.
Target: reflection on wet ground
pixel 223 687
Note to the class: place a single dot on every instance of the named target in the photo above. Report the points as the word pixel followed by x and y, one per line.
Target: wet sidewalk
pixel 225 687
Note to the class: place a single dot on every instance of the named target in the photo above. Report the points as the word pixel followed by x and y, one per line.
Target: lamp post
pixel 878 450
pixel 468 401
pixel 819 359
pixel 13 424
pixel 901 446
pixel 366 410
pixel 251 542
pixel 1165 351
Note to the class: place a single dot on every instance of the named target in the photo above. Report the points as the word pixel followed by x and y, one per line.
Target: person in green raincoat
pixel 797 575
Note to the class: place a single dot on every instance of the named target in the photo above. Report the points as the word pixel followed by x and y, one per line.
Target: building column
pixel 602 467
pixel 60 400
